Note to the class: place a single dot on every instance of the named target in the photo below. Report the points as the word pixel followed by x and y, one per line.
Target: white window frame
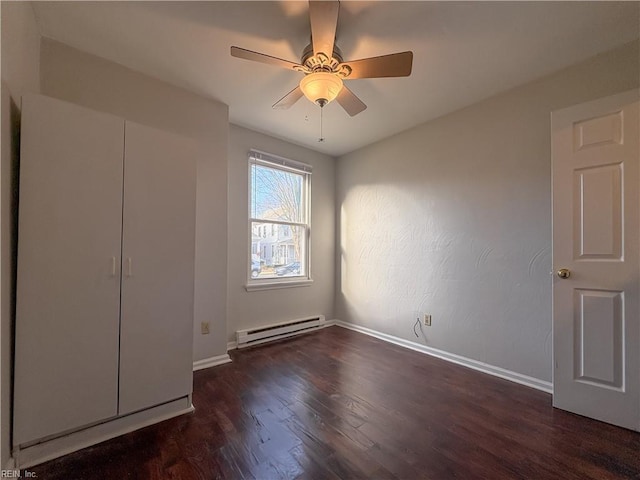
pixel 257 157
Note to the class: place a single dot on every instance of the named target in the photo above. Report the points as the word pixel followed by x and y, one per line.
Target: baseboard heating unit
pixel 269 333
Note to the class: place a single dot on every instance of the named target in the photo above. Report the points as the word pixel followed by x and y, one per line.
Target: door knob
pixel 564 273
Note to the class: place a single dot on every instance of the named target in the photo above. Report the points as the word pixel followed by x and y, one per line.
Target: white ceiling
pixel 463 52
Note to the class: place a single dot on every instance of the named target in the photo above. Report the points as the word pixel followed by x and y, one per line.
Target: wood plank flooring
pixel 336 404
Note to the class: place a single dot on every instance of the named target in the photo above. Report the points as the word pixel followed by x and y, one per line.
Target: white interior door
pixel 596 332
pixel 68 293
pixel 156 344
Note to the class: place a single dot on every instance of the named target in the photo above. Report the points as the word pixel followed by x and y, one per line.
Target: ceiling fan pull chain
pixel 321 139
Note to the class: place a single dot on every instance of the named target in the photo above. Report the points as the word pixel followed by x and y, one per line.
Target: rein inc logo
pixel 17 474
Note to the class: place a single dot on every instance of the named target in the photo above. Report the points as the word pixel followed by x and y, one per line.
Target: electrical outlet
pixel 204 328
pixel 427 319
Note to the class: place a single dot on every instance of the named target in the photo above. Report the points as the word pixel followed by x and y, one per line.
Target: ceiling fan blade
pixel 394 65
pixel 289 99
pixel 324 21
pixel 262 58
pixel 348 100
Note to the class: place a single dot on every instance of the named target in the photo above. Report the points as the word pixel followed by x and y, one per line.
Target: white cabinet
pixel 104 311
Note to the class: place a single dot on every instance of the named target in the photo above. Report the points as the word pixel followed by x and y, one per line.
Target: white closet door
pixel 158 268
pixel 68 292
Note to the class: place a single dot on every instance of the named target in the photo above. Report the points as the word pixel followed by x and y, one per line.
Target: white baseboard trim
pixel 211 362
pixel 453 358
pixel 11 464
pixel 232 345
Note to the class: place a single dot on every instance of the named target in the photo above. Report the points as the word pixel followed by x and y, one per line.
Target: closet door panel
pixel 158 268
pixel 68 292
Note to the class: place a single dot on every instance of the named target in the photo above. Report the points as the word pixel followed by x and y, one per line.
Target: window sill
pixel 271 285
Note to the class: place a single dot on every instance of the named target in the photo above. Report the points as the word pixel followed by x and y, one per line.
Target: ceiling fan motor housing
pixel 322 63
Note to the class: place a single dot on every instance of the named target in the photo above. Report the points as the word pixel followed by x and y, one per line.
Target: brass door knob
pixel 564 273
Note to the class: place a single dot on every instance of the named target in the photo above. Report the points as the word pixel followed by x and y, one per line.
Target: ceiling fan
pixel 323 66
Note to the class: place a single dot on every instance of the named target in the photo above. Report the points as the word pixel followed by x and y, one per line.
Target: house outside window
pixel 279 221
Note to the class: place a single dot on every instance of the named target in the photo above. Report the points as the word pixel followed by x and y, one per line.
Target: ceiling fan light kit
pixel 323 66
pixel 321 87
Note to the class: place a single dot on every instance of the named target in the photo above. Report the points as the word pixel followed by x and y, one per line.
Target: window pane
pixel 276 194
pixel 278 254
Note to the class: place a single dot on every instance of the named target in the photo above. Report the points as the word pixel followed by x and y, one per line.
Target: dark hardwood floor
pixel 336 404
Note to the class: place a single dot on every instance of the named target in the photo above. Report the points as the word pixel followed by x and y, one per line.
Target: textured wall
pixel 85 79
pixel 20 74
pixel 453 218
pixel 257 308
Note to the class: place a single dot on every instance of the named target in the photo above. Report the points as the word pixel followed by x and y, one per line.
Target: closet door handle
pixel 129 268
pixel 113 266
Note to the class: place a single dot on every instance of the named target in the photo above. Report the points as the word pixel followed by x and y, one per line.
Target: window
pixel 279 211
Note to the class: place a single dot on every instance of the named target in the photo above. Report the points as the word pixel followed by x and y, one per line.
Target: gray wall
pixel 20 74
pixel 257 308
pixel 88 80
pixel 453 218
